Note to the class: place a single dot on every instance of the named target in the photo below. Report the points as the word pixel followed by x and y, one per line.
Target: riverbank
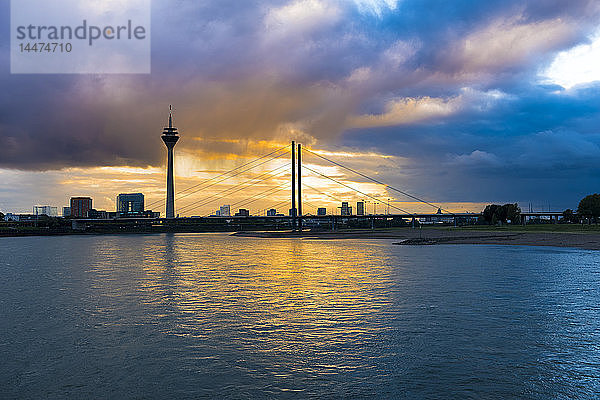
pixel 573 236
pixel 585 239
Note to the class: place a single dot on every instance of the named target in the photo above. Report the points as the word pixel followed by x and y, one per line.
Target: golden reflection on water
pixel 289 292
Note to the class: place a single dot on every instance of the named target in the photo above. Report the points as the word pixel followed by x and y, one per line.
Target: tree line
pixel 587 211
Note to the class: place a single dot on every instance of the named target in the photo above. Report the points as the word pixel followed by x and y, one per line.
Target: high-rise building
pixel 225 211
pixel 243 213
pixel 272 212
pixel 360 208
pixel 66 212
pixel 45 210
pixel 80 206
pixel 322 211
pixel 130 203
pixel 170 137
pixel 346 210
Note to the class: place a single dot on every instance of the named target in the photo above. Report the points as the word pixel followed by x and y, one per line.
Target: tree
pixel 489 214
pixel 570 217
pixel 1 216
pixel 495 213
pixel 512 213
pixel 589 207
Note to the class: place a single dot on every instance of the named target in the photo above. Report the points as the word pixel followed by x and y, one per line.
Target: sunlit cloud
pixel 408 110
pixel 348 154
pixel 578 65
pixel 507 42
pixel 301 17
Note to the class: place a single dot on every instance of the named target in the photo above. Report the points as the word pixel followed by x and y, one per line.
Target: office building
pixel 360 208
pixel 346 210
pixel 322 211
pixel 80 207
pixel 243 213
pixel 45 210
pixel 66 212
pixel 272 212
pixel 225 211
pixel 132 203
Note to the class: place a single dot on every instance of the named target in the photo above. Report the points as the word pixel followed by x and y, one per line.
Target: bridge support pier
pixel 293 186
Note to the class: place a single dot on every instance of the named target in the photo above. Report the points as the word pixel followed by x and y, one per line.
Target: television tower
pixel 170 137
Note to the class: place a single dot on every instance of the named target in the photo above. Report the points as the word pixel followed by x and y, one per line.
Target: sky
pixel 461 103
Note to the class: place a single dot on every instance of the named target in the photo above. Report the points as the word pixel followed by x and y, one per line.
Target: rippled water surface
pixel 213 316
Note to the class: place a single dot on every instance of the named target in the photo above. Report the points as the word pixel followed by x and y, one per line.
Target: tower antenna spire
pixel 170 116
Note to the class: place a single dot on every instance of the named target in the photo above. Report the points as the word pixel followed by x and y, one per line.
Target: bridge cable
pixel 223 193
pixel 232 176
pixel 276 205
pixel 323 193
pixel 378 182
pixel 356 190
pixel 241 186
pixel 261 195
pixel 225 173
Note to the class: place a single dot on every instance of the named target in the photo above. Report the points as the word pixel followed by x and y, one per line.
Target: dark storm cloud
pixel 332 73
pixel 539 141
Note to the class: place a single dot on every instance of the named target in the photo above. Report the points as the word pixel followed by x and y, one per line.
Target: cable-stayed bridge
pixel 282 175
pixel 288 175
pixel 279 178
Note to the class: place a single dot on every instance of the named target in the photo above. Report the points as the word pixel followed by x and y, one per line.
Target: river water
pixel 214 316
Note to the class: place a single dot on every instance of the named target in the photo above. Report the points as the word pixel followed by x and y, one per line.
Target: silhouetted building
pixel 225 211
pixel 131 203
pixel 95 214
pixel 360 208
pixel 10 217
pixel 101 214
pixel 272 212
pixel 21 217
pixel 45 210
pixel 80 206
pixel 322 211
pixel 242 213
pixel 293 212
pixel 346 210
pixel 66 212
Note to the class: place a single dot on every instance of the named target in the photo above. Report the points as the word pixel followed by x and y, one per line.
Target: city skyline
pixel 486 103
